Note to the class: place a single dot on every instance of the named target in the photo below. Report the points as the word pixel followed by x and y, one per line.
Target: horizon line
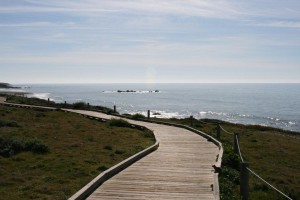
pixel 69 83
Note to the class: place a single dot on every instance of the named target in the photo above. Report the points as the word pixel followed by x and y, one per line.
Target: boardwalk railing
pixel 245 169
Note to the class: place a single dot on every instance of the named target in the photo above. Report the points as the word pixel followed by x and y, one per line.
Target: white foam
pixel 40 95
pixel 160 114
pixel 11 90
pixel 131 92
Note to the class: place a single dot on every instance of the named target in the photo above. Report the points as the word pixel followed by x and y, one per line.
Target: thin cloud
pixel 205 8
pixel 36 24
pixel 280 24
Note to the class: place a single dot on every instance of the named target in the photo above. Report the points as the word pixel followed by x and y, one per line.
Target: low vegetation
pixel 12 146
pixel 118 123
pixel 138 116
pixel 52 154
pixel 42 102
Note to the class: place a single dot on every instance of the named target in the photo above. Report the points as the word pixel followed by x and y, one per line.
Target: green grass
pixel 78 150
pixel 272 153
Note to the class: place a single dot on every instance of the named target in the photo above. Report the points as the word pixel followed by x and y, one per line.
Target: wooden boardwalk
pixel 181 168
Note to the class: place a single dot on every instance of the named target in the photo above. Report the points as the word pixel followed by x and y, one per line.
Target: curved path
pixel 181 168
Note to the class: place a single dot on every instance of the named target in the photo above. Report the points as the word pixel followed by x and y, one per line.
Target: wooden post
pixel 148 115
pixel 235 143
pixel 191 118
pixel 244 181
pixel 218 130
pixel 115 109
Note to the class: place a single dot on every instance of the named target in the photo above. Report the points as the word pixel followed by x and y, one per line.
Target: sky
pixel 150 41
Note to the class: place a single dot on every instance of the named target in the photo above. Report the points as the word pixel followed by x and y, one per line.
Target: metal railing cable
pixel 263 180
pixel 225 130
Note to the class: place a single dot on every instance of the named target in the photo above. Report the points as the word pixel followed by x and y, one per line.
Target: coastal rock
pixel 8 86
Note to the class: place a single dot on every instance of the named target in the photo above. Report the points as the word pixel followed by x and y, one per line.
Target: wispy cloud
pixel 204 8
pixel 36 24
pixel 280 24
pixel 165 34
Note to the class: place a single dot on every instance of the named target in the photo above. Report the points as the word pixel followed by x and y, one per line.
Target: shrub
pixel 102 168
pixel 118 123
pixel 35 146
pixel 108 147
pixel 9 124
pixel 138 116
pixel 149 134
pixel 230 159
pixel 13 146
pixel 2 123
pixel 10 147
pixel 231 175
pixel 118 151
pixel 80 105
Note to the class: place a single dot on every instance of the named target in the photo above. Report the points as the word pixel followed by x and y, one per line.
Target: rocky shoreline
pixel 8 86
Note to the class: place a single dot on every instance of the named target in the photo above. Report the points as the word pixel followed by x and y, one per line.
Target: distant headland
pixel 8 89
pixel 8 86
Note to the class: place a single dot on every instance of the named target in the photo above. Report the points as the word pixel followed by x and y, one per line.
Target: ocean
pixel 276 105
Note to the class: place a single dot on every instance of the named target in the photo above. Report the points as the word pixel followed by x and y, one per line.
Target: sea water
pixel 276 105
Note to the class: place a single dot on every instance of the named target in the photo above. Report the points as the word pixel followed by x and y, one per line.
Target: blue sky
pixel 146 41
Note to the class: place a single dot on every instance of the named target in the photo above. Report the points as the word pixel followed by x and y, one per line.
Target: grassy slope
pixel 272 153
pixel 80 149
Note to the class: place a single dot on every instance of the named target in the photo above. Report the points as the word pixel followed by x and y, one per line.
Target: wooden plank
pixel 181 168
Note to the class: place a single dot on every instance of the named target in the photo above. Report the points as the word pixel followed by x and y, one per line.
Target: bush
pixel 10 147
pixel 118 151
pixel 231 175
pixel 149 134
pixel 12 124
pixel 108 147
pixel 102 168
pixel 138 116
pixel 80 105
pixel 118 123
pixel 13 146
pixel 2 123
pixel 230 159
pixel 35 146
pixel 9 124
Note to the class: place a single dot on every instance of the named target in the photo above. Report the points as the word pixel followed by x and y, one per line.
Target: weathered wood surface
pixel 181 168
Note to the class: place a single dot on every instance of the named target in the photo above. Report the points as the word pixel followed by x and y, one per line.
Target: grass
pixel 78 149
pixel 272 153
pixel 41 102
